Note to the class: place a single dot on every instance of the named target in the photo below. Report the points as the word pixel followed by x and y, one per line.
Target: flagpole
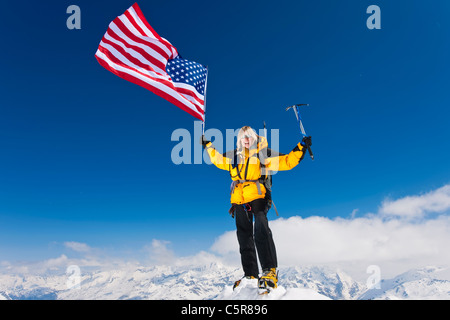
pixel 204 103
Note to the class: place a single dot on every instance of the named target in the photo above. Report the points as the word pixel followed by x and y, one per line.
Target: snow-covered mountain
pixel 214 281
pixel 417 284
pixel 4 296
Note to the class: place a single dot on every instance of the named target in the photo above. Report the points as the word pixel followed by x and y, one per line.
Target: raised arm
pixel 275 161
pixel 216 158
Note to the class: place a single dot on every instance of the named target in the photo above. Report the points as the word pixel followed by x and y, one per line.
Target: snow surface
pixel 248 290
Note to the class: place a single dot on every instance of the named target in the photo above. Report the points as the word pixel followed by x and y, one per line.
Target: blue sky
pixel 86 156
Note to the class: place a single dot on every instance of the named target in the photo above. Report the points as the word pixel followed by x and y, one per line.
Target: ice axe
pixel 299 119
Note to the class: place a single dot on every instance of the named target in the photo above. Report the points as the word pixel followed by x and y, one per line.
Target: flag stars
pixel 188 72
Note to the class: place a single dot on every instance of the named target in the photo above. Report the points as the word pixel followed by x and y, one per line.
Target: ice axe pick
pixel 299 120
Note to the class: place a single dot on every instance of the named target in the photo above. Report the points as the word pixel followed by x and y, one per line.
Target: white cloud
pixel 317 240
pixel 436 201
pixel 159 252
pixel 77 246
pixel 55 263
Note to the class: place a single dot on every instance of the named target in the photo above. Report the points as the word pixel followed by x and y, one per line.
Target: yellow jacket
pixel 245 167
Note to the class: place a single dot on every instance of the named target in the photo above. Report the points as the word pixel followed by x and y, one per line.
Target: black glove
pixel 306 142
pixel 203 141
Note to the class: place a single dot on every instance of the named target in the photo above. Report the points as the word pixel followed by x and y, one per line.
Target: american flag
pixel 133 50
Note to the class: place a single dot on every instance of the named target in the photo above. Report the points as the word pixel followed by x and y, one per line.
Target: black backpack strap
pixel 233 155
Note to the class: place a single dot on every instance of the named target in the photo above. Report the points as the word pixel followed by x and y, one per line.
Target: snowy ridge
pixel 4 296
pixel 214 281
pixel 415 284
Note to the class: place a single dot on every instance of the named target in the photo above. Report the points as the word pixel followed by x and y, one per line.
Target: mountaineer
pixel 250 166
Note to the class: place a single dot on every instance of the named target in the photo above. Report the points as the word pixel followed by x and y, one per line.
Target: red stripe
pixel 134 23
pixel 135 38
pixel 144 21
pixel 128 56
pixel 147 86
pixel 152 60
pixel 190 93
pixel 116 60
pixel 168 84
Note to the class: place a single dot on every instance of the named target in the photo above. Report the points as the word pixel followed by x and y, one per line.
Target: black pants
pixel 260 235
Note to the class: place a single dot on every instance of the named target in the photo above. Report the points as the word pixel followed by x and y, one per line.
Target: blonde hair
pixel 246 130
